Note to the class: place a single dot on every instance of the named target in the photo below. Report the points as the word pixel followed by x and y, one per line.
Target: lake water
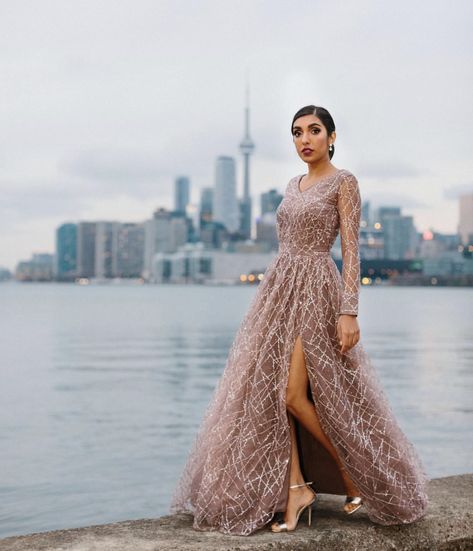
pixel 103 387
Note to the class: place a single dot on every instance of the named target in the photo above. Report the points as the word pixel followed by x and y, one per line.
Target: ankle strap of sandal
pixel 299 485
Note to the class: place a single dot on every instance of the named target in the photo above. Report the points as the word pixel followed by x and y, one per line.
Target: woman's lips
pixel 307 151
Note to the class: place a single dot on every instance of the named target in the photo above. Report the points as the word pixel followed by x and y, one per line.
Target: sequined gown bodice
pixel 309 220
pixel 237 472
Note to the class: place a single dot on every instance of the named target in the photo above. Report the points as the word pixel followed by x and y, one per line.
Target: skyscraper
pixel 400 237
pixel 181 193
pixel 164 233
pixel 270 201
pixel 105 248
pixel 246 147
pixel 128 260
pixel 66 252
pixel 86 249
pixel 206 205
pixel 225 197
pixel 465 224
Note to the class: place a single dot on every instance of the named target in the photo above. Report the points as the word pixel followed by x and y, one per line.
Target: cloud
pixel 41 202
pixel 139 172
pixel 396 199
pixel 107 102
pixel 454 192
pixel 120 167
pixel 389 170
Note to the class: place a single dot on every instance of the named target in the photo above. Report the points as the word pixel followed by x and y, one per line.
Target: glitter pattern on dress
pixel 237 472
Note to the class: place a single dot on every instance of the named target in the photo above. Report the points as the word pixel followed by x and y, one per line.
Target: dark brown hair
pixel 323 115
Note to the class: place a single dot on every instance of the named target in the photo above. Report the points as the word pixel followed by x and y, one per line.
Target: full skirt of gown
pixel 237 472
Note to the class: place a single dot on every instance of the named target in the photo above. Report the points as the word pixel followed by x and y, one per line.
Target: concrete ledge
pixel 448 525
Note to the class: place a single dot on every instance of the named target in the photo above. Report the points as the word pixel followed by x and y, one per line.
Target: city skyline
pixel 155 249
pixel 98 118
pixel 224 179
pixel 182 185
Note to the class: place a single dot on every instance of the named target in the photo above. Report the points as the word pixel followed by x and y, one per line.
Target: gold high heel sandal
pixel 356 500
pixel 353 499
pixel 282 526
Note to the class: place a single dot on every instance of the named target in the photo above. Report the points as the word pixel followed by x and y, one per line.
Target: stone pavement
pixel 448 525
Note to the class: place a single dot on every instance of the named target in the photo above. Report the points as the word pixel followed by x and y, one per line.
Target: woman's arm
pixel 349 208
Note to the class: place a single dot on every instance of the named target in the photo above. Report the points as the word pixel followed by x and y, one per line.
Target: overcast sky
pixel 103 103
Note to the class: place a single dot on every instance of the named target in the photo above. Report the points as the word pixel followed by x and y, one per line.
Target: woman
pixel 298 398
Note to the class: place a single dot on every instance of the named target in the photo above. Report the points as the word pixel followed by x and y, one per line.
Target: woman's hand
pixel 348 332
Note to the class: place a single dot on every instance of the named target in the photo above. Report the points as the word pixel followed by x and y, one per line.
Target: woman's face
pixel 310 138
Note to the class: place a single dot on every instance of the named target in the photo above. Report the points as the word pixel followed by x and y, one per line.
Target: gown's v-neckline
pixel 298 181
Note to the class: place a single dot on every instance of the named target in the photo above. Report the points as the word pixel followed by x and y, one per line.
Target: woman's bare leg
pixel 304 410
pixel 295 476
pixel 297 496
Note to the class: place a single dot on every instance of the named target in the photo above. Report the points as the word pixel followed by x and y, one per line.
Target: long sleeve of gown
pixel 349 208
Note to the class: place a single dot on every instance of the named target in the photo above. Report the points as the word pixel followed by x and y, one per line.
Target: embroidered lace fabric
pixel 236 474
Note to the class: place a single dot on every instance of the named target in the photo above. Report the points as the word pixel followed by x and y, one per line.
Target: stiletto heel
pixel 282 526
pixel 356 500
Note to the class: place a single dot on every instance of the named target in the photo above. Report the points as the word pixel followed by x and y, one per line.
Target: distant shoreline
pixel 404 280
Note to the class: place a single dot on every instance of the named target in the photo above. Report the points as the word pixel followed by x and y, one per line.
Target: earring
pixel 330 147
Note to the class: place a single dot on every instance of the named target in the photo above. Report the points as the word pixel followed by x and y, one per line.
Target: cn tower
pixel 246 147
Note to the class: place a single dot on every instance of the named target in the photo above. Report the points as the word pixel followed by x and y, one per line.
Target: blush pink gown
pixel 237 472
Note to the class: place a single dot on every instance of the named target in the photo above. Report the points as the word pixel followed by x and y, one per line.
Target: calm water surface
pixel 103 387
